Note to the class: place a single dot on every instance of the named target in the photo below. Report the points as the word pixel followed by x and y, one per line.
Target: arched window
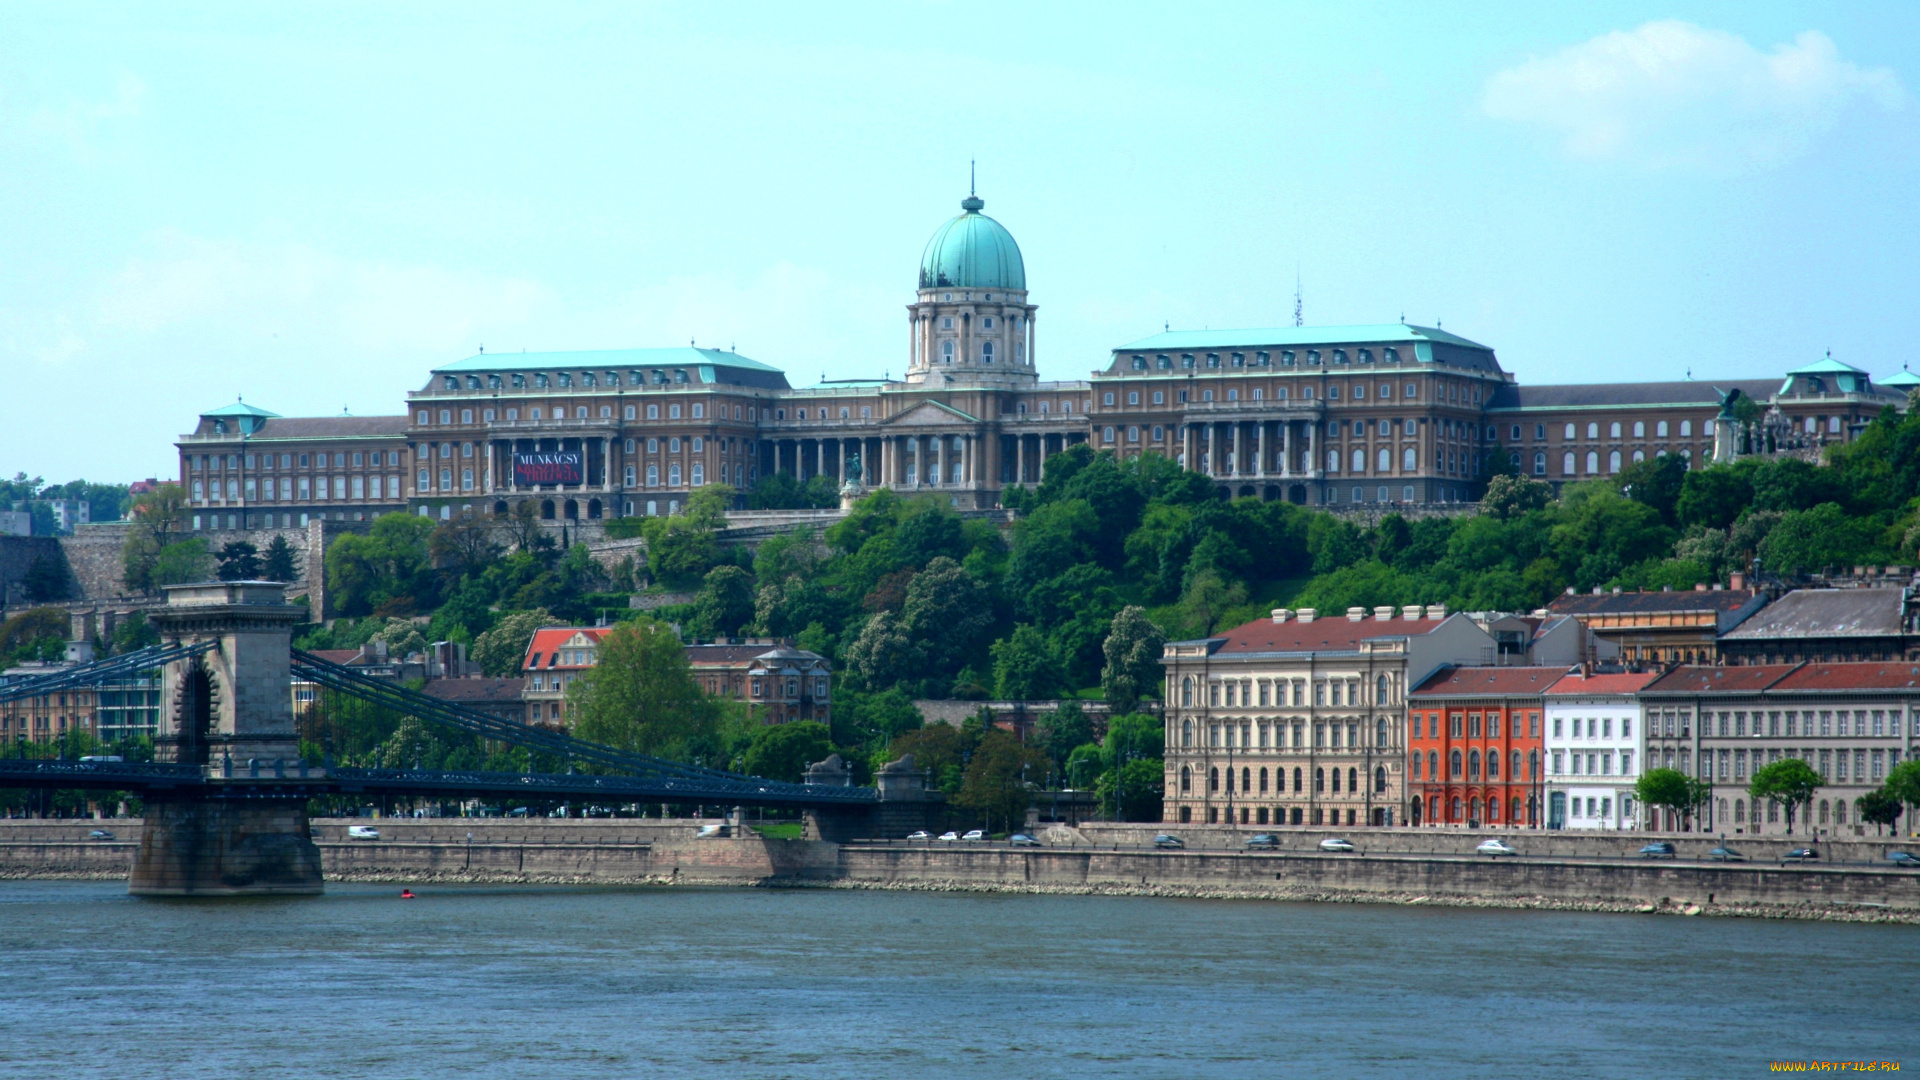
pixel 673 475
pixel 1319 779
pixel 986 352
pixel 1296 781
pixel 946 352
pixel 1639 429
pixel 1476 809
pixel 1473 765
pixel 1453 765
pixel 699 474
pixel 1385 460
pixel 1614 431
pixel 1493 809
pixel 1613 462
pixel 1186 733
pixel 1456 809
pixel 1493 764
pixel 1213 779
pixel 653 476
pixel 1359 460
pixel 1186 778
pixel 1380 733
pixel 1408 459
pixel 1566 464
pixel 1533 764
pixel 1433 764
pixel 1593 462
pixel 1263 780
pixel 1186 692
pixel 1514 814
pixel 1336 781
pixel 1379 779
pixel 1639 455
pixel 1514 773
pixel 1739 811
pixel 1353 780
pixel 1593 431
pixel 1246 779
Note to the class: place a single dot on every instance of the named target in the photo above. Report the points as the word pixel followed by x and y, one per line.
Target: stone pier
pixel 228 712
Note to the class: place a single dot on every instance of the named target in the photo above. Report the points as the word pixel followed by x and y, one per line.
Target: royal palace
pixel 1345 417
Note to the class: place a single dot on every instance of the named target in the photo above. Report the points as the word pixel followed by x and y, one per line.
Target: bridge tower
pixel 230 712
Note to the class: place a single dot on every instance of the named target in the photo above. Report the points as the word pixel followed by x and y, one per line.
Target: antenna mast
pixel 1299 313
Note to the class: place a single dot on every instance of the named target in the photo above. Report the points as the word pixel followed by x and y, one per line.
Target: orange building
pixel 1474 747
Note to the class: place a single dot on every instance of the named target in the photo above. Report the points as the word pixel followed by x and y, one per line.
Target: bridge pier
pixel 232 835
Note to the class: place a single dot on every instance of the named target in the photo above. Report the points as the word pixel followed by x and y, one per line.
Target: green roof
pixel 1905 380
pixel 597 359
pixel 241 408
pixel 1827 366
pixel 1297 335
pixel 972 251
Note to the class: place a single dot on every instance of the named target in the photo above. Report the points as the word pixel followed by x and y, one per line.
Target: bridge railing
pixel 111 669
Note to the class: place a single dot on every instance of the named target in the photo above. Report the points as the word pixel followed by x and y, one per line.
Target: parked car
pixel 1801 854
pixel 1264 841
pixel 1336 843
pixel 362 832
pixel 1659 849
pixel 920 834
pixel 100 834
pixel 1726 854
pixel 1904 859
pixel 1021 839
pixel 1168 840
pixel 101 758
pixel 712 832
pixel 974 835
pixel 1495 846
pixel 950 837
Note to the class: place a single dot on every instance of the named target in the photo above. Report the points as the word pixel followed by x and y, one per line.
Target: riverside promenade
pixel 1563 870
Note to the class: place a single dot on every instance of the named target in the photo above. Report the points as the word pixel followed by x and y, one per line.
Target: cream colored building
pixel 1301 719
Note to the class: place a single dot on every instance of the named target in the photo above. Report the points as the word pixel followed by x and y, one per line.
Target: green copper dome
pixel 973 251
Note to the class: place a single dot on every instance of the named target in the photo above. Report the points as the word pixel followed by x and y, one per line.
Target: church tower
pixel 971 324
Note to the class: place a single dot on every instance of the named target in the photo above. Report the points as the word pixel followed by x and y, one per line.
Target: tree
pixel 1672 789
pixel 502 650
pixel 783 751
pixel 1132 649
pixel 280 564
pixel 724 603
pixel 45 581
pixel 181 562
pixel 998 778
pixel 945 610
pixel 1881 808
pixel 682 548
pixel 1789 781
pixel 938 748
pixel 1903 782
pixel 882 655
pixel 523 530
pixel 465 544
pixel 1657 482
pixel 1059 732
pixel 1024 667
pixel 1714 496
pixel 641 696
pixel 239 561
pixel 159 519
pixel 389 571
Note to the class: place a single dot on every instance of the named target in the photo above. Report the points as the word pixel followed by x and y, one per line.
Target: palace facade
pixel 1346 417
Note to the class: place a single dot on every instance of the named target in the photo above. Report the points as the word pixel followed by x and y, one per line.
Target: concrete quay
pixel 650 851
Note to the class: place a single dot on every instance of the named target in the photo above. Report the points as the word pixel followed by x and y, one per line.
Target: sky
pixel 310 206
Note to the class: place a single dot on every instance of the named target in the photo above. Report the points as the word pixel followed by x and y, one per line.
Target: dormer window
pixel 451 382
pixel 1390 355
pixel 1366 356
pixel 1163 362
pixel 636 378
pixel 587 379
pixel 1186 361
pixel 1262 360
pixel 1139 363
pixel 1213 360
pixel 493 382
pixel 1286 357
pixel 519 382
pixel 1239 360
pixel 219 427
pixel 680 375
pixel 1339 356
pixel 473 382
pixel 565 380
pixel 540 380
pixel 1313 357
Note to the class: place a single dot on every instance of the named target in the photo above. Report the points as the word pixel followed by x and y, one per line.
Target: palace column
pixel 819 456
pixel 1189 454
pixel 1019 459
pixel 1286 448
pixel 1237 465
pixel 1260 449
pixel 940 459
pixel 1313 448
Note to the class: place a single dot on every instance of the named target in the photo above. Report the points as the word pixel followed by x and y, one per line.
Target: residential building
pixel 1474 747
pixel 1299 719
pixel 501 698
pixel 1594 749
pixel 1359 417
pixel 1829 626
pixel 1667 627
pixel 781 682
pixel 68 513
pixel 1852 722
pixel 778 681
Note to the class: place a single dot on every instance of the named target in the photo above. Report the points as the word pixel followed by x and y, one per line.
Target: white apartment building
pixel 1595 749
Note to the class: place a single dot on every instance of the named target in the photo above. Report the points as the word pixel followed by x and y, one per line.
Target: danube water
pixel 529 983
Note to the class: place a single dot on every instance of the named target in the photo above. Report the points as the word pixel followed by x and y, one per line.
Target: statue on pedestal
pixel 852 491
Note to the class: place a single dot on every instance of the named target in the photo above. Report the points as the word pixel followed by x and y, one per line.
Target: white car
pixel 919 834
pixel 949 837
pixel 1335 843
pixel 974 834
pixel 362 832
pixel 1495 846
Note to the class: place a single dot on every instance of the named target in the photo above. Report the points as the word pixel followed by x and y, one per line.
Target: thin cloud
pixel 1672 94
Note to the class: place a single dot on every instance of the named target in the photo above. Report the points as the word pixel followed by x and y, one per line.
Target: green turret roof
pixel 1904 380
pixel 972 251
pixel 241 408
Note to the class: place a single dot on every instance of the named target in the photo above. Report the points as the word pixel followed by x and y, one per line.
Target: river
pixel 527 982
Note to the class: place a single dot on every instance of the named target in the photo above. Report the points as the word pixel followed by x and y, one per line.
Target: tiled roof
pixel 1827 678
pixel 545 641
pixel 1719 680
pixel 1618 682
pixel 1827 613
pixel 1336 634
pixel 1490 682
pixel 336 656
pixel 483 691
pixel 1627 603
pixel 1626 394
pixel 1329 336
pixel 332 427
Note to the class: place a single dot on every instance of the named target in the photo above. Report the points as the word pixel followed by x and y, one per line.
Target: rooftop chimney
pixel 1700 587
pixel 1436 611
pixel 1383 613
pixel 1305 614
pixel 1736 580
pixel 1280 614
pixel 1355 614
pixel 1410 611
